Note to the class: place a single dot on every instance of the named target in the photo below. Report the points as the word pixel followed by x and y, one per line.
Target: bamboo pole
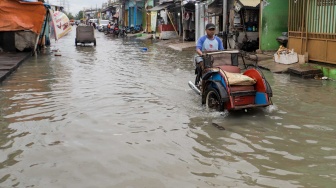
pixel 325 19
pixel 332 18
pixel 328 18
pixel 307 22
pixel 302 24
pixel 289 18
pixel 39 40
pixel 319 20
pixel 172 23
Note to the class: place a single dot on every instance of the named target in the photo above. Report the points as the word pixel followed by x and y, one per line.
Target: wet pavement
pixel 115 116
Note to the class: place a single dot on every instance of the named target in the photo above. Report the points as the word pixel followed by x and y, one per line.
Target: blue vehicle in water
pixel 224 86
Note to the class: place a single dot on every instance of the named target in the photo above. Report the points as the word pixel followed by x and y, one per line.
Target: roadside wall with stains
pixel 274 21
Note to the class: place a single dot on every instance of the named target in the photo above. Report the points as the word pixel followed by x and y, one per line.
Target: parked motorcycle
pixel 283 39
pixel 127 29
pixel 116 30
pixel 136 29
pixel 108 31
pixel 122 32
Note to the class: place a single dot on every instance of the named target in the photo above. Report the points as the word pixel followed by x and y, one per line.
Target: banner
pixel 60 24
pixel 153 20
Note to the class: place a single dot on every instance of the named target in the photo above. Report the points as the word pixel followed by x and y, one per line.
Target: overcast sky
pixel 74 6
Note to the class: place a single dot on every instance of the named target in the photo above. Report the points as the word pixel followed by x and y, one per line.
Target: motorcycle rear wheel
pixel 213 100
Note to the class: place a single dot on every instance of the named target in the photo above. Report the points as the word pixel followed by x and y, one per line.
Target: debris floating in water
pixel 144 49
pixel 218 126
pixel 58 53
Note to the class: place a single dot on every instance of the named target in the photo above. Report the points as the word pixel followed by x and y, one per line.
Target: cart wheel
pixel 94 42
pixel 213 101
pixel 76 41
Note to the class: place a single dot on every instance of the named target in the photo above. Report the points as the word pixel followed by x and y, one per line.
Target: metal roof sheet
pixel 250 3
pixel 160 7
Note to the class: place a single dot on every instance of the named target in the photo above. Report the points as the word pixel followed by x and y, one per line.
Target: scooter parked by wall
pixel 108 31
pixel 136 29
pixel 122 32
pixel 283 39
pixel 116 30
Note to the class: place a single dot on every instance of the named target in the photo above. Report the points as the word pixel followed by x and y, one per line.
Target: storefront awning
pixel 160 7
pixel 189 6
pixel 215 10
pixel 216 7
pixel 16 15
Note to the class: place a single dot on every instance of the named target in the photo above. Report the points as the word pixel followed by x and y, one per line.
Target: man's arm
pixel 199 52
pixel 220 44
pixel 199 45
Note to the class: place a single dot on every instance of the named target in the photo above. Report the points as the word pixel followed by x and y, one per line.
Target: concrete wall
pixel 274 21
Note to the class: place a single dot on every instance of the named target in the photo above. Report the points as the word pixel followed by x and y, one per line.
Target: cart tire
pixel 94 42
pixel 76 41
pixel 213 100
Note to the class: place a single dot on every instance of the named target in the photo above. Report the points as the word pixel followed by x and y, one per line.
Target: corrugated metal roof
pixel 160 7
pixel 250 3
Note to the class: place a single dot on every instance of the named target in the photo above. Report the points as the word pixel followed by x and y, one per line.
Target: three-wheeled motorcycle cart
pixel 85 34
pixel 223 85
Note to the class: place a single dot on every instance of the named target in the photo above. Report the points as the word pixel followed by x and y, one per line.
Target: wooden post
pixel 182 18
pixel 302 24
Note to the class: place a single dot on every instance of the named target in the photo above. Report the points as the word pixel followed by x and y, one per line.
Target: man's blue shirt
pixel 206 44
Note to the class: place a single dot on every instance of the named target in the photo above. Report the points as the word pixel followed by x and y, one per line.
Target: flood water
pixel 114 116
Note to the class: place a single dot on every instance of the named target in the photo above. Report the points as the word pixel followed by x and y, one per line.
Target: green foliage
pixel 79 15
pixel 70 16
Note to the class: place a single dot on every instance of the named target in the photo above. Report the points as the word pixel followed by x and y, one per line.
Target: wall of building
pixel 274 21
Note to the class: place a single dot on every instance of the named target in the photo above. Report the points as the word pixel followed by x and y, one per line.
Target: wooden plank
pixel 9 62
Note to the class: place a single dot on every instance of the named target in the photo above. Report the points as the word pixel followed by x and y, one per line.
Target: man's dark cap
pixel 210 26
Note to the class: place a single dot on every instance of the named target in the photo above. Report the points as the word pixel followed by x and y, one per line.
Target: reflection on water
pixel 127 118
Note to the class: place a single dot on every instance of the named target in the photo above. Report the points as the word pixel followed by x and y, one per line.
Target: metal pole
pixel 225 24
pixel 197 21
pixel 224 15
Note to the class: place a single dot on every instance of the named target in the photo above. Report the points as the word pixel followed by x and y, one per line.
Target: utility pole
pixel 225 24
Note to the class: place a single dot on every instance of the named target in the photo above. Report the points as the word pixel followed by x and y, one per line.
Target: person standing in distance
pixel 208 42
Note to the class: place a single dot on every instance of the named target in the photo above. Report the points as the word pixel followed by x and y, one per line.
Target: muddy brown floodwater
pixel 114 116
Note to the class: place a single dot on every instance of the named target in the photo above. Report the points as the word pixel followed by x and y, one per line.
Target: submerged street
pixel 115 116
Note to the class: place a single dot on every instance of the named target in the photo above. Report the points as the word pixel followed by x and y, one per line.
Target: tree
pixel 79 15
pixel 70 16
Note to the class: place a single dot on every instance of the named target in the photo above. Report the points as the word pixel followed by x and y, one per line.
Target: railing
pixel 165 1
pixel 312 28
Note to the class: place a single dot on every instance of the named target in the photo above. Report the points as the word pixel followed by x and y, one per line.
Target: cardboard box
pixel 286 58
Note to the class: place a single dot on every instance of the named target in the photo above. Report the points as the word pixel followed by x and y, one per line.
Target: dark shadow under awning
pixel 215 7
pixel 116 15
pixel 160 7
